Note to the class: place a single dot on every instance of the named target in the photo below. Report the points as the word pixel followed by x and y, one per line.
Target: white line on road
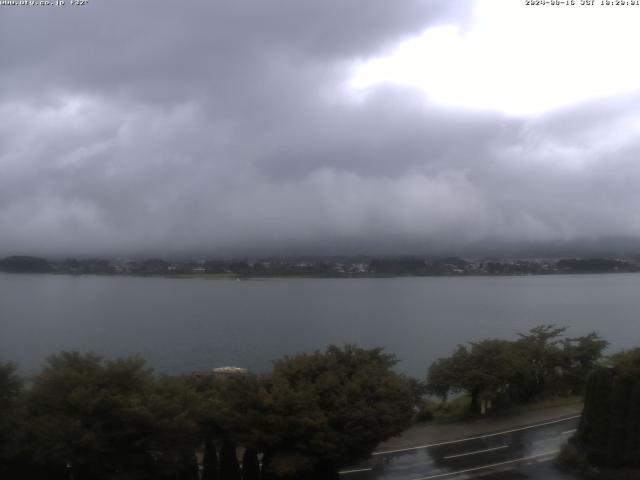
pixel 567 432
pixel 475 452
pixel 358 470
pixel 484 467
pixel 420 447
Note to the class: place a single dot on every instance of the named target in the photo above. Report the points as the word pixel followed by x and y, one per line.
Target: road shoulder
pixel 441 432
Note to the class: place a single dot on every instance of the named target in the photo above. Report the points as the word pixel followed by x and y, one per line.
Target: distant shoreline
pixel 337 267
pixel 232 276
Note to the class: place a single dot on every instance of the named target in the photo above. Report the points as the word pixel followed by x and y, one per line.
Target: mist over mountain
pixel 237 128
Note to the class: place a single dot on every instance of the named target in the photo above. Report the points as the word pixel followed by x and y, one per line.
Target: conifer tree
pixel 190 467
pixel 632 445
pixel 250 466
pixel 620 397
pixel 210 460
pixel 609 430
pixel 594 426
pixel 266 472
pixel 229 467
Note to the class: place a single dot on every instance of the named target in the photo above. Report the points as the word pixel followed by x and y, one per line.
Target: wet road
pixel 516 453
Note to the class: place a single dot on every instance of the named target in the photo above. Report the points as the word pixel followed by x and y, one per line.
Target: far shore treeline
pixel 360 266
pixel 84 417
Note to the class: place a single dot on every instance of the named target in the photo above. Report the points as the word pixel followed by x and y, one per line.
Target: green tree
pixel 609 430
pixel 541 351
pixel 189 467
pixel 210 459
pixel 109 419
pixel 229 467
pixel 593 431
pixel 321 410
pixel 627 361
pixel 267 471
pixel 621 388
pixel 632 448
pixel 170 430
pixel 486 371
pixel 581 355
pixel 540 363
pixel 446 375
pixel 250 465
pixel 10 391
pixel 228 406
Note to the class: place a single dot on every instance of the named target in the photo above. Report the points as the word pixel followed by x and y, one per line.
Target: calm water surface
pixel 182 325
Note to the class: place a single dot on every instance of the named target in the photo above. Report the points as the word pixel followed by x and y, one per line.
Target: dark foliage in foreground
pixel 89 419
pixel 609 431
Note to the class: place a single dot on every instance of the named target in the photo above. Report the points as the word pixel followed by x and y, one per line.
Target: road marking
pixel 420 447
pixel 475 452
pixel 346 472
pixel 567 432
pixel 484 467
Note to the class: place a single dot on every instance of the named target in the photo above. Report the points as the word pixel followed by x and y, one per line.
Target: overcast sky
pixel 338 126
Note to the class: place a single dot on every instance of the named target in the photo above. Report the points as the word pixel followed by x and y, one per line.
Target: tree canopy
pixel 333 407
pixel 540 362
pixel 91 418
pixel 10 390
pixel 110 419
pixel 609 431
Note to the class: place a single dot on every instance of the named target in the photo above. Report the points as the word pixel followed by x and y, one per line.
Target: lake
pixel 184 325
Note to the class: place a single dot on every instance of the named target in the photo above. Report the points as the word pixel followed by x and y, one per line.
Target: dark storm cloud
pixel 155 126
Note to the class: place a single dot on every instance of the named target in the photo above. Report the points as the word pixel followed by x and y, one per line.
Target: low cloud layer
pixel 130 127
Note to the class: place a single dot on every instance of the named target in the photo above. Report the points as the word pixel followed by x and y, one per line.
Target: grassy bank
pixel 458 408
